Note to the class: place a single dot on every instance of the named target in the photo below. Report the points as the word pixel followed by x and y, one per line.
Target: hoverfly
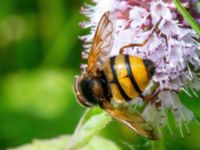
pixel 120 78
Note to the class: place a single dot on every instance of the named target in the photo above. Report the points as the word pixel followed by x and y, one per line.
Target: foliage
pixel 39 56
pixel 97 143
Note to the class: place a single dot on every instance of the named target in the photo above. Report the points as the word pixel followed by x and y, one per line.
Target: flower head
pixel 172 46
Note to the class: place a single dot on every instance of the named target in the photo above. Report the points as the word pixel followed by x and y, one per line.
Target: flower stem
pixel 187 16
pixel 157 145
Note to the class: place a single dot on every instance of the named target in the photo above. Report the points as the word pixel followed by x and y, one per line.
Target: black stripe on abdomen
pixel 130 75
pixel 106 89
pixel 116 81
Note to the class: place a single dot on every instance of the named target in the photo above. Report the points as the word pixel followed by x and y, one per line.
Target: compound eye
pixel 78 92
pixel 87 90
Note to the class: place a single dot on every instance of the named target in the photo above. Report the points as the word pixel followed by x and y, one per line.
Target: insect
pixel 119 78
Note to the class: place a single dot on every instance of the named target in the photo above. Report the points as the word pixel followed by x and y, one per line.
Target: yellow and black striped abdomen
pixel 127 76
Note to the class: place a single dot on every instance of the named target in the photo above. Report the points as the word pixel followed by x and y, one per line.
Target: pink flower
pixel 173 49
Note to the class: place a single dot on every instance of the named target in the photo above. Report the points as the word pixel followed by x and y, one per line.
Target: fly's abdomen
pixel 127 76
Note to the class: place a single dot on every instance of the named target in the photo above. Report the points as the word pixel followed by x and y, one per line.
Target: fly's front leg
pixel 131 45
pixel 155 29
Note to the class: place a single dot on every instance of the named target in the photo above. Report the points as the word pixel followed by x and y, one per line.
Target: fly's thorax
pixel 88 90
pixel 91 91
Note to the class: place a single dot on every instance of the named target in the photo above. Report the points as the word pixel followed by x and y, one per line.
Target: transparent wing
pixel 101 43
pixel 132 119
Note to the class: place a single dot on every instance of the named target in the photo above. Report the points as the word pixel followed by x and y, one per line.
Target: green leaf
pixel 97 143
pixel 32 91
pixel 187 16
pixel 90 129
pixel 157 145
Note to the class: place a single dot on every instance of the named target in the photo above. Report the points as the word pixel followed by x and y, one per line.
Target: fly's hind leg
pixel 155 29
pixel 153 97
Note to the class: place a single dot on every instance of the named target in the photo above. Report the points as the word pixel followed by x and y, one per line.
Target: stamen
pixel 180 130
pixel 187 128
pixel 170 129
pixel 186 91
pixel 194 92
pixel 175 107
pixel 188 67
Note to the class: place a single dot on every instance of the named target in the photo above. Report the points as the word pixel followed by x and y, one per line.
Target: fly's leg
pixel 155 29
pixel 155 94
pixel 153 98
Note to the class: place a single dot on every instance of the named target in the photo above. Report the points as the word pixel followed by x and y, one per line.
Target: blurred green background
pixel 39 56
